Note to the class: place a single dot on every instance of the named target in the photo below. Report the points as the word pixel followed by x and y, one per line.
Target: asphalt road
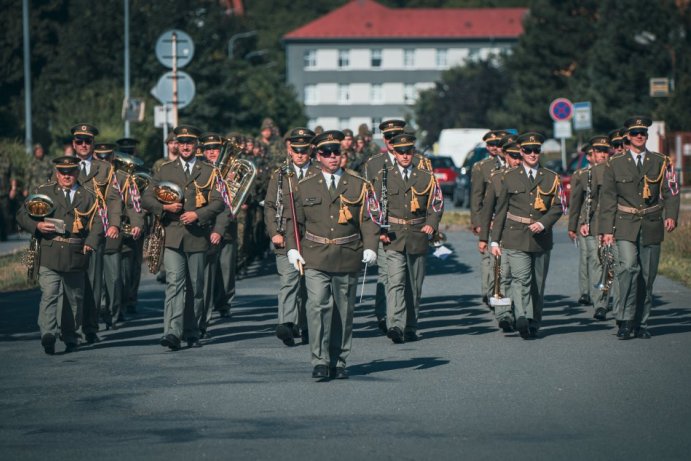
pixel 465 391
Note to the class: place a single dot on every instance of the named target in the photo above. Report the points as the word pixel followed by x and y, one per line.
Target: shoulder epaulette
pixel 374 156
pixel 551 171
pixel 307 178
pixel 657 153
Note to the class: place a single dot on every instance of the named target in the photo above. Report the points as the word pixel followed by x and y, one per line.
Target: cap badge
pixel 639 122
pixel 331 137
pixel 532 139
pixel 84 127
pixel 301 132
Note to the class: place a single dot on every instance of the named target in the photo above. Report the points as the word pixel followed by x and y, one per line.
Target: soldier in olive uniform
pixel 172 152
pixel 616 140
pixel 589 225
pixel 8 191
pixel 292 319
pixel 64 253
pixel 414 212
pixel 39 170
pixel 95 175
pixel 581 183
pixel 638 203
pixel 513 158
pixel 372 168
pixel 529 205
pixel 219 272
pixel 480 175
pixel 187 231
pixel 332 208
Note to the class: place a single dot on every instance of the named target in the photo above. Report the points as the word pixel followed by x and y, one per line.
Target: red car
pixel 446 172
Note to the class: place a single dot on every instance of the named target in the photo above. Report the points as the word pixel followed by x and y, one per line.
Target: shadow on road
pixel 380 365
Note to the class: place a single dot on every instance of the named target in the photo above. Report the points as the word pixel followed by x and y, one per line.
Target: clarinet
pixel 384 198
pixel 280 223
pixel 588 197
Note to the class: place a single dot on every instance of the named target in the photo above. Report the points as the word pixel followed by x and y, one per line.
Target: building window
pixel 376 121
pixel 310 94
pixel 343 123
pixel 442 55
pixel 376 57
pixel 409 58
pixel 376 94
pixel 310 59
pixel 474 54
pixel 409 94
pixel 343 94
pixel 343 58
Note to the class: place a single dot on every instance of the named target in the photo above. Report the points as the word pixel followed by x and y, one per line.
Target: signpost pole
pixel 175 80
pixel 563 153
pixel 165 131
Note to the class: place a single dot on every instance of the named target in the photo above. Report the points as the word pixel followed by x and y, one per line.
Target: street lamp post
pixel 235 38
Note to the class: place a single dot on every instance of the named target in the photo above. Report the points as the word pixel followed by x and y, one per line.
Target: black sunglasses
pixel 617 144
pixel 493 143
pixel 79 142
pixel 389 135
pixel 329 154
pixel 638 132
pixel 531 150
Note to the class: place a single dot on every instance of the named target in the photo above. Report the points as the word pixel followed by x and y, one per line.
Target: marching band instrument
pixel 142 179
pixel 280 223
pixel 606 255
pixel 384 199
pixel 126 163
pixel 38 206
pixel 438 238
pixel 498 299
pixel 237 173
pixel 167 193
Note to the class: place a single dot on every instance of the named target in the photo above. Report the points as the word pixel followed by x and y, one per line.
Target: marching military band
pixel 196 221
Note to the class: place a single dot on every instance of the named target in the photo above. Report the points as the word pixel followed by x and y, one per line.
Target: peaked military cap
pixel 300 137
pixel 104 149
pixel 328 141
pixel 531 138
pixel 391 127
pixel 211 140
pixel 616 135
pixel 512 149
pixel 348 133
pixel 587 148
pixel 363 130
pixel 638 122
pixel 494 136
pixel 600 141
pixel 403 142
pixel 187 132
pixel 508 139
pixel 170 137
pixel 66 163
pixel 84 130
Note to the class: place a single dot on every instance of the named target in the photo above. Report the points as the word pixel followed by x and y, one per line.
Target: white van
pixel 457 142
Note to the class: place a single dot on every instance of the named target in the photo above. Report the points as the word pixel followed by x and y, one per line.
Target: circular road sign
pixel 184 47
pixel 561 110
pixel 163 91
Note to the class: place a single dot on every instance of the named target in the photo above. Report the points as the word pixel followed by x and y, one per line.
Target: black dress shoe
pixel 296 331
pixel 381 323
pixel 284 332
pixel 70 347
pixel 584 300
pixel 193 342
pixel 600 314
pixel 643 333
pixel 320 372
pixel 339 373
pixel 411 336
pixel 532 332
pixel 523 327
pixel 624 331
pixel 485 299
pixel 171 341
pixel 91 338
pixel 48 343
pixel 395 334
pixel 204 334
pixel 506 325
pixel 225 313
pixel 305 336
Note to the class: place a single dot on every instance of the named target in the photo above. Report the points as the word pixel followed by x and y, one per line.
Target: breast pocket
pixel 516 189
pixel 311 201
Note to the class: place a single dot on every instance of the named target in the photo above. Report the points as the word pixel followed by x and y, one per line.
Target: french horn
pixel 38 206
pixel 168 192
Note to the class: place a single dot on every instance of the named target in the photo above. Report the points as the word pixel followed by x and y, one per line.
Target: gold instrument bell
pixel 142 179
pixel 168 192
pixel 127 163
pixel 39 205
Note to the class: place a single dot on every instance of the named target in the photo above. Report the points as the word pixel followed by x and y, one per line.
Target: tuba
pixel 238 174
pixel 165 192
pixel 38 206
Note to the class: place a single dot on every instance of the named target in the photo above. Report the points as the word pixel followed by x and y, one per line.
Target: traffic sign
pixel 582 116
pixel 163 91
pixel 561 109
pixel 184 47
pixel 562 129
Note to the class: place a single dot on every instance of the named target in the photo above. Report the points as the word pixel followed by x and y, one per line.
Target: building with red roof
pixel 364 62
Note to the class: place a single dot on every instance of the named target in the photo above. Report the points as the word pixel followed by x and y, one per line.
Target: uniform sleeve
pixel 149 200
pixel 270 205
pixel 500 215
pixel 433 217
pixel 670 194
pixel 291 243
pixel 577 197
pixel 608 201
pixel 488 206
pixel 96 232
pixel 477 185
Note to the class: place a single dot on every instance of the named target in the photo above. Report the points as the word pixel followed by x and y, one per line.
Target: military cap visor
pixel 640 122
pixel 187 133
pixel 391 125
pixel 66 163
pixel 600 141
pixel 328 140
pixel 403 142
pixel 531 139
pixel 104 148
pixel 514 153
pixel 616 135
pixel 84 130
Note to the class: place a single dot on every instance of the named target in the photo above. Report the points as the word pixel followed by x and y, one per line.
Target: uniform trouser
pixel 113 287
pixel 57 317
pixel 382 284
pixel 597 296
pixel 135 262
pixel 636 274
pixel 487 271
pixel 227 262
pixel 219 281
pixel 528 276
pixel 584 285
pixel 614 290
pixel 92 290
pixel 292 295
pixel 406 275
pixel 183 268
pixel 330 306
pixel 244 240
pixel 5 218
pixel 130 276
pixel 504 311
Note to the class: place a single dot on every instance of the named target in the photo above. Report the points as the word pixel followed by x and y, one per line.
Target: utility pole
pixel 28 135
pixel 127 63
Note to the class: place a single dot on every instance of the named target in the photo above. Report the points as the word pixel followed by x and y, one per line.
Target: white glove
pixel 294 256
pixel 369 257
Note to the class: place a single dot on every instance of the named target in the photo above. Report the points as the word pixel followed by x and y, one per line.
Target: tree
pixel 463 98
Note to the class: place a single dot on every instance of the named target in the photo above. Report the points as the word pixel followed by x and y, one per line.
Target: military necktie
pixel 531 177
pixel 405 175
pixel 187 170
pixel 84 168
pixel 302 175
pixel 639 163
pixel 67 197
pixel 332 187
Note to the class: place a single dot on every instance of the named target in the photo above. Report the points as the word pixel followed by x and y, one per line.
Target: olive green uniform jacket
pixel 489 203
pixel 578 198
pixel 479 181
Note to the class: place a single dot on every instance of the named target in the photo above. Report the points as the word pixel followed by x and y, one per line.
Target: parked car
pixel 461 191
pixel 445 171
